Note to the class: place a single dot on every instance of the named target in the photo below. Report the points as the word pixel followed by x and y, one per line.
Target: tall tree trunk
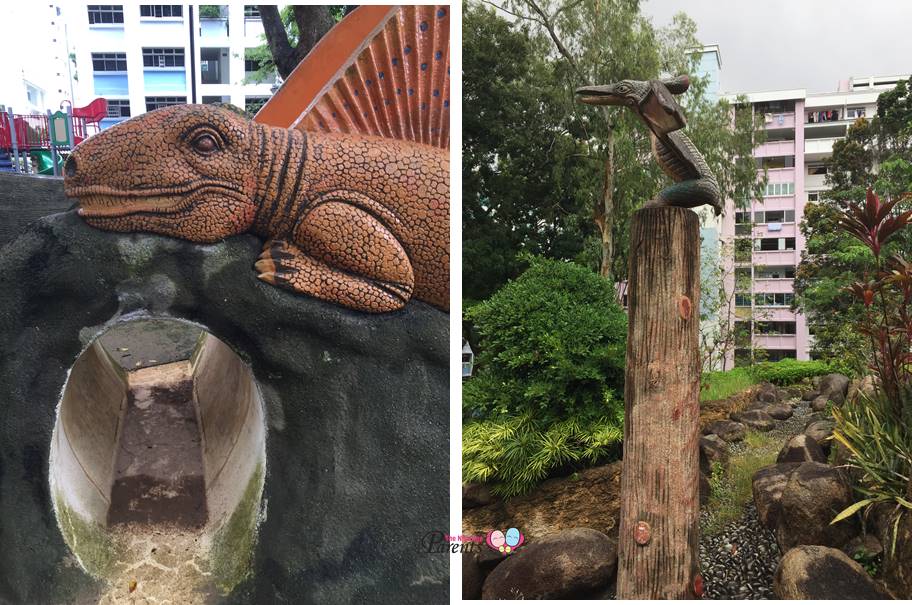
pixel 660 494
pixel 313 22
pixel 603 213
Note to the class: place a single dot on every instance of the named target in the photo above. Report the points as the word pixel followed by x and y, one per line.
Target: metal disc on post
pixel 660 500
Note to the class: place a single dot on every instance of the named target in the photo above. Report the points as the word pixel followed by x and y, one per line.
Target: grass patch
pixel 721 385
pixel 730 491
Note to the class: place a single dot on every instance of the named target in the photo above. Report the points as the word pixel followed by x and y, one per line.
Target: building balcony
pixel 774 257
pixel 775 341
pixel 779 120
pixel 818 149
pixel 774 285
pixel 774 314
pixel 775 148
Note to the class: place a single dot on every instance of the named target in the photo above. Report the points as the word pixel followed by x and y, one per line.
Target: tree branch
pixel 549 27
pixel 277 39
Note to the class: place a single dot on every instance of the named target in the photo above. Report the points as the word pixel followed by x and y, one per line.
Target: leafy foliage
pixel 536 163
pixel 514 453
pixel 790 371
pixel 549 381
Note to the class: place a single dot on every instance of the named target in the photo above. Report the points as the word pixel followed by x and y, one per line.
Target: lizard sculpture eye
pixel 205 143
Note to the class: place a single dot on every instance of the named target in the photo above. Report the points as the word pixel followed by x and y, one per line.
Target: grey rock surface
pixel 814 494
pixel 822 573
pixel 356 407
pixel 801 448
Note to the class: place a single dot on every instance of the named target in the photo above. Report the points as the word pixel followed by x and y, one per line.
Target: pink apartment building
pixel 766 239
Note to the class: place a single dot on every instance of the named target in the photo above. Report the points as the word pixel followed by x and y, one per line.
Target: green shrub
pixel 790 371
pixel 514 453
pixel 548 385
pixel 880 447
pixel 551 344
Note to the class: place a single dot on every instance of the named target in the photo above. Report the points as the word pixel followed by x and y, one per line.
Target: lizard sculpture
pixel 694 184
pixel 356 220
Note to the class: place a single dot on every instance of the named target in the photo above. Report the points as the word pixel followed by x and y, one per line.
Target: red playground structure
pixel 25 137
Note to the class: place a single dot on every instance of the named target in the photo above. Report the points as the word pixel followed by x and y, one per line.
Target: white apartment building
pixel 766 238
pixel 144 56
pixel 34 72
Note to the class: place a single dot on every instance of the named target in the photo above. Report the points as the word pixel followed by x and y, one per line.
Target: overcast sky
pixel 811 44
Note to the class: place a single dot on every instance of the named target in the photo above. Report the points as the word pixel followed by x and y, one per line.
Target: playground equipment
pixel 40 143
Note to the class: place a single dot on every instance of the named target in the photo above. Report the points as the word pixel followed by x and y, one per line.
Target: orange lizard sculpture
pixel 357 220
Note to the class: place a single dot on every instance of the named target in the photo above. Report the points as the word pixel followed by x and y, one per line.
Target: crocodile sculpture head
pixel 186 171
pixel 652 100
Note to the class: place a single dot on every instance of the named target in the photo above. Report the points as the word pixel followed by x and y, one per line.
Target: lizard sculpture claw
pixel 654 103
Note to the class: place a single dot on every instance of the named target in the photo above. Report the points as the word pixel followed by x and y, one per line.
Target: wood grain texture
pixel 660 477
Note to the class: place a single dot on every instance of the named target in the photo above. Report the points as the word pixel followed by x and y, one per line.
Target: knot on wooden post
pixel 698 586
pixel 642 533
pixel 685 307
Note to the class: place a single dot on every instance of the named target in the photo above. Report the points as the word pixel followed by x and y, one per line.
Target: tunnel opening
pixel 157 461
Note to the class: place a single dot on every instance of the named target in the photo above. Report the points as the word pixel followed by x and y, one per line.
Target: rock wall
pixel 25 199
pixel 356 413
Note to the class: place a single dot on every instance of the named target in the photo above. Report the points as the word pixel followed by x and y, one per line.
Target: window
pixel 253 104
pixel 813 196
pixel 779 106
pixel 742 250
pixel 817 169
pixel 159 102
pixel 252 64
pixel 775 327
pixel 160 11
pixel 780 189
pixel 742 300
pixel 769 299
pixel 109 61
pixel 118 108
pixel 786 272
pixel 778 354
pixel 778 161
pixel 743 229
pixel 251 11
pixel 828 115
pixel 105 13
pixel 163 57
pixel 742 218
pixel 774 243
pixel 774 216
pixel 855 112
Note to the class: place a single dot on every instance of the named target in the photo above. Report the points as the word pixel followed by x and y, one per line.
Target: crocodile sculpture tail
pixel 382 71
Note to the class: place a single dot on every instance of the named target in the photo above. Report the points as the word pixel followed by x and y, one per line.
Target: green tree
pixel 874 153
pixel 545 174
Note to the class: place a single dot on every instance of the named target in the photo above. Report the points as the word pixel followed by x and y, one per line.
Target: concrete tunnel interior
pixel 160 431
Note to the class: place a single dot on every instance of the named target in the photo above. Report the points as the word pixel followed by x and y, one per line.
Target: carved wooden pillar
pixel 660 499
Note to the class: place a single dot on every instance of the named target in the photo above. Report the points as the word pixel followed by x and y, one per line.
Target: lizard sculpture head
pixel 187 171
pixel 651 99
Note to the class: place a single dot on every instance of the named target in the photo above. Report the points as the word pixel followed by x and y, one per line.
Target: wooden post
pixel 660 489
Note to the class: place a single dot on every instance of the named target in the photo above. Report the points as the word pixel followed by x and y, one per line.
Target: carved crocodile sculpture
pixel 357 220
pixel 694 184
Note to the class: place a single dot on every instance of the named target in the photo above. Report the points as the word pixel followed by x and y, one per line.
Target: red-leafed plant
pixel 886 296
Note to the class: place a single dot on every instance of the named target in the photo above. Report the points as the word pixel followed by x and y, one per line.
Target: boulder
pixel 835 387
pixel 819 403
pixel 810 395
pixel 862 387
pixel 814 494
pixel 866 545
pixel 821 431
pixel 801 448
pixel 819 572
pixel 779 411
pixel 475 495
pixel 713 450
pixel 767 485
pixel 472 576
pixel 564 565
pixel 757 420
pixel 704 489
pixel 348 398
pixel 897 561
pixel 768 393
pixel 728 430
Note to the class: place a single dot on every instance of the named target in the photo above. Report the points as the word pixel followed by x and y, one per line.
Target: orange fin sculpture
pixel 344 172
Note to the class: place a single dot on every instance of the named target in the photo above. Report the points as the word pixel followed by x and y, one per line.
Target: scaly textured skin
pixel 652 101
pixel 359 221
